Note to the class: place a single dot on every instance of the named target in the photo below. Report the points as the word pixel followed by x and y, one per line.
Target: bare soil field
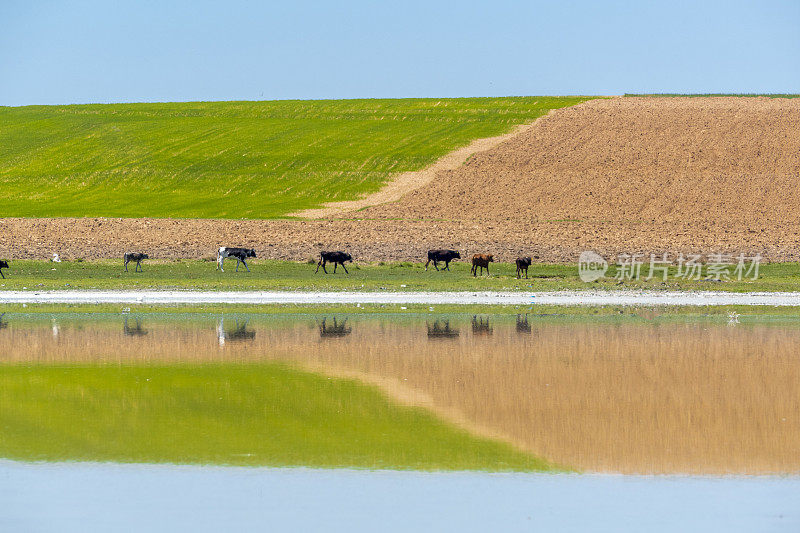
pixel 621 175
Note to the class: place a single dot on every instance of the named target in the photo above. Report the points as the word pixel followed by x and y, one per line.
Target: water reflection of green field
pixel 255 414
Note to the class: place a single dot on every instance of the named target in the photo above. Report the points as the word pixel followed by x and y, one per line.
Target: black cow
pixel 337 258
pixel 441 255
pixel 522 265
pixel 136 258
pixel 241 255
pixel 3 264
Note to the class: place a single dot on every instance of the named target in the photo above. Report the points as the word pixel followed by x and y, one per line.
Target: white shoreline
pixel 587 298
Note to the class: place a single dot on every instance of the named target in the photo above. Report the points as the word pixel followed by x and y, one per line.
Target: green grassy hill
pixel 231 159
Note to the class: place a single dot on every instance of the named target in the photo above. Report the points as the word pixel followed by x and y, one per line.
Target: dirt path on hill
pixel 410 181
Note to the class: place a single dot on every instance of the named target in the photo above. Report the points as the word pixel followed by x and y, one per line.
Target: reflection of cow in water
pixel 3 324
pixel 481 326
pixel 133 331
pixel 238 333
pixel 522 324
pixel 441 330
pixel 328 331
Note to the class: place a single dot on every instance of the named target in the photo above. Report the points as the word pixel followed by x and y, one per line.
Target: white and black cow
pixel 136 258
pixel 240 254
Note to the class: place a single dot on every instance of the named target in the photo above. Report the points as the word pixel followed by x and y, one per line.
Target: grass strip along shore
pixel 268 275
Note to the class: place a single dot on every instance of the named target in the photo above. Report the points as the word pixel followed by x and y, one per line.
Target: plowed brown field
pixel 622 175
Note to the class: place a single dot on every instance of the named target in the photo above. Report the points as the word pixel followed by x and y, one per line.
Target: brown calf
pixel 482 261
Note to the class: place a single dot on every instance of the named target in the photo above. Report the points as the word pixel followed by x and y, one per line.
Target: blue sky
pixel 105 51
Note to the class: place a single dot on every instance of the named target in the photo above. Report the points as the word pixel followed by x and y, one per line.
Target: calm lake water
pixel 96 408
pixel 106 497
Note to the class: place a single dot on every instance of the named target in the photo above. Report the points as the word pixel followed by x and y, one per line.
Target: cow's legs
pixel 436 264
pixel 221 263
pixel 447 265
pixel 2 276
pixel 138 266
pixel 473 270
pixel 245 265
pixel 318 264
pixel 237 264
pixel 345 269
pixel 335 264
pixel 426 264
pixel 126 264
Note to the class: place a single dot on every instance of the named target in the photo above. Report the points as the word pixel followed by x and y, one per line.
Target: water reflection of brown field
pixel 656 398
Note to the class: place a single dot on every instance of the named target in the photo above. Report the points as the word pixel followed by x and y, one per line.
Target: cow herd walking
pixel 338 258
